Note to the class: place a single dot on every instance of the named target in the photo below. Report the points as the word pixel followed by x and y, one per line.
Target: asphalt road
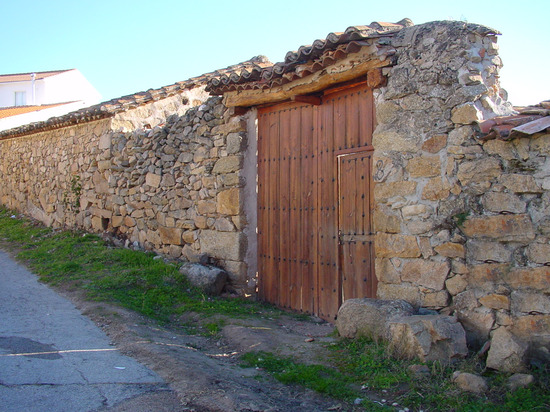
pixel 54 359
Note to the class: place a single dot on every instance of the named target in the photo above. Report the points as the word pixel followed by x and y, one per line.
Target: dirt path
pixel 205 372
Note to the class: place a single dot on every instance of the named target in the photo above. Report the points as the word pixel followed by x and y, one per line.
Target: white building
pixel 32 97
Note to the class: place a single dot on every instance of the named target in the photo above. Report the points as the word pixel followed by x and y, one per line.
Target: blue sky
pixel 126 46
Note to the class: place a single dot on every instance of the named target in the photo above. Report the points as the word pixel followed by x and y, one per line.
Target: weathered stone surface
pixel 539 253
pixel 368 317
pixel 503 202
pixel 386 272
pixel 436 189
pixel 428 338
pixel 519 380
pixel 469 382
pixel 210 280
pixel 394 245
pixel 484 251
pixel 541 144
pixel 478 171
pixel 384 191
pixel 152 179
pixel 516 228
pixel 435 300
pixel 495 301
pixel 170 235
pixel 424 166
pixel 528 302
pixel 456 284
pixel 435 143
pixel 223 245
pixel 520 183
pixel 386 223
pixel 228 202
pixel 487 276
pixel 466 113
pixel 393 141
pixel 430 274
pixel 227 165
pixel 528 278
pixel 450 249
pixel 477 321
pixel 507 353
pixel 404 291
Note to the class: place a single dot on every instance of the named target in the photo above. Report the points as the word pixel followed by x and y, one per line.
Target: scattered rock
pixel 210 279
pixel 519 380
pixel 428 338
pixel 368 317
pixel 419 371
pixel 507 352
pixel 469 382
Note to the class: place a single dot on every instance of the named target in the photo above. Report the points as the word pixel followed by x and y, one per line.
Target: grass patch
pixel 137 280
pixel 363 369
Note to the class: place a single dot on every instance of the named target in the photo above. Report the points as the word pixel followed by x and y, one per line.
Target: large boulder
pixel 507 353
pixel 428 338
pixel 211 280
pixel 369 317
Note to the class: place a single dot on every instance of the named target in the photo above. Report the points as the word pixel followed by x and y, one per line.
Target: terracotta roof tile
pixel 17 110
pixel 26 77
pixel 528 121
pixel 308 59
pixel 112 107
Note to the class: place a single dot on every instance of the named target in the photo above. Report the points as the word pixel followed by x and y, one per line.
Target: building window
pixel 20 98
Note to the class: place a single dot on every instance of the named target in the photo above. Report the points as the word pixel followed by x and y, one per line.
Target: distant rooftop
pixel 25 77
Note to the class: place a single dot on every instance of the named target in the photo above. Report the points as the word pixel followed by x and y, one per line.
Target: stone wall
pixel 165 176
pixel 461 225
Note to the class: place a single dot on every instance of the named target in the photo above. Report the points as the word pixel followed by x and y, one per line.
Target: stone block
pixel 519 380
pixel 129 221
pixel 223 245
pixel 117 221
pixel 527 302
pixel 456 284
pixel 466 113
pixel 528 278
pixel 228 202
pixel 424 166
pixel 495 301
pixel 210 280
pixel 390 140
pixel 386 223
pixel 205 207
pixel 385 191
pixel 507 352
pixel 428 338
pixel 482 251
pixel 170 235
pixel 435 143
pixel 501 148
pixel 450 249
pixel 539 253
pixel 403 291
pixel 519 183
pixel 427 273
pixel 152 179
pixel 421 210
pixel 487 276
pixel 503 202
pixel 477 321
pixel 506 228
pixel 436 300
pixel 386 272
pixel 227 164
pixel 369 317
pixel 395 245
pixel 478 171
pixel 436 189
pixel 541 144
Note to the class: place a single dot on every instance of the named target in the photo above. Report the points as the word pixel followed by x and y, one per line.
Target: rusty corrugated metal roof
pixel 309 59
pixel 112 107
pixel 26 77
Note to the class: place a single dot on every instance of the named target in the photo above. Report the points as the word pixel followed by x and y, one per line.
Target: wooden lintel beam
pixel 313 100
pixel 353 66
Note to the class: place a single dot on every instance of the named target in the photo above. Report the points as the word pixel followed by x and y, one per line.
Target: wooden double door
pixel 315 237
